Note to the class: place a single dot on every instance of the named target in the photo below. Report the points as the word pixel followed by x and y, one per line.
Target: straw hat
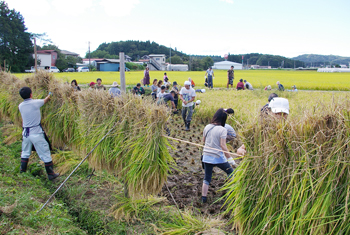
pixel 115 84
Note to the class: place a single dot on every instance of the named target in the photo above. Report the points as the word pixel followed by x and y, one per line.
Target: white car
pixel 54 69
pixel 83 69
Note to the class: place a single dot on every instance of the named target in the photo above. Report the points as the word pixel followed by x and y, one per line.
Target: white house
pixel 46 57
pixel 156 62
pixel 226 65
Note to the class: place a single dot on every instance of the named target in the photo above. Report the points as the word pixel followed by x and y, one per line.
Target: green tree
pixel 175 60
pixel 16 46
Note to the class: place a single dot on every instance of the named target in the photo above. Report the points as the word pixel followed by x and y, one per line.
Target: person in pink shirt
pixel 240 85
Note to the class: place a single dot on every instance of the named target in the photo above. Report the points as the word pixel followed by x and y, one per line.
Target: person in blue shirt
pixel 114 91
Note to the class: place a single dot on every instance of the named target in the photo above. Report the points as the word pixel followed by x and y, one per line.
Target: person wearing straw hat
pixel 33 133
pixel 187 95
pixel 279 107
pixel 114 91
pixel 214 138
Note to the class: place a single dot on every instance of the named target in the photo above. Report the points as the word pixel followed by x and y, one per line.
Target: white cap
pixel 115 84
pixel 188 83
pixel 202 90
pixel 279 105
pixel 198 102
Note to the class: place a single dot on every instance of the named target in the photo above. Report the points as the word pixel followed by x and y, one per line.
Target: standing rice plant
pixel 299 185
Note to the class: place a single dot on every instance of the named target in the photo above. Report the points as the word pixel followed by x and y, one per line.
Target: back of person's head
pixel 172 92
pixel 98 79
pixel 220 116
pixel 167 87
pixel 271 96
pixel 241 80
pixel 25 92
pixel 162 87
pixel 164 73
pixel 138 84
pixel 245 80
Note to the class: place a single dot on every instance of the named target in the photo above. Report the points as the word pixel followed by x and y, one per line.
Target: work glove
pixel 232 162
pixel 205 77
pixel 213 78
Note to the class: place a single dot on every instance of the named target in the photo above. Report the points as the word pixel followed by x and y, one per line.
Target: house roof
pixel 69 53
pixel 45 51
pixel 226 62
pixel 109 60
pixel 155 55
pixel 93 59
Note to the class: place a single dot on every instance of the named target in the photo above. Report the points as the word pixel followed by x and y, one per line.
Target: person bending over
pixel 214 137
pixel 33 133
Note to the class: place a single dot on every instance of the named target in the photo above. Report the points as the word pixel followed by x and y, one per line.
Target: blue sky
pixel 206 27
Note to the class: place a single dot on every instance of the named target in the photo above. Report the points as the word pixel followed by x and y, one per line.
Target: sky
pixel 199 27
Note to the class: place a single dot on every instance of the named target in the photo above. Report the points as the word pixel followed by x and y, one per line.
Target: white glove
pixel 232 162
pixel 205 77
pixel 213 78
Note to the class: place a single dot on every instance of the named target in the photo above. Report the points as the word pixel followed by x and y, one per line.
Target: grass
pixel 306 80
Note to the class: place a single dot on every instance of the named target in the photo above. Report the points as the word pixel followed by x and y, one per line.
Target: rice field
pixel 305 80
pixel 294 178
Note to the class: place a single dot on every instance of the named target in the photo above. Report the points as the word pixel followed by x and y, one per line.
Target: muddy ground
pixel 185 182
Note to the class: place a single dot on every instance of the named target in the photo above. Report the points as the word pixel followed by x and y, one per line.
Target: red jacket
pixel 240 85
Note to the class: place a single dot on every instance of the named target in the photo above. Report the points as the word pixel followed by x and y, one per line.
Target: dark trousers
pixel 210 81
pixel 187 113
pixel 176 102
pixel 226 167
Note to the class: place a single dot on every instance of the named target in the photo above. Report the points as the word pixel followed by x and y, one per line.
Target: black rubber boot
pixel 188 126
pixel 49 170
pixel 204 199
pixel 24 164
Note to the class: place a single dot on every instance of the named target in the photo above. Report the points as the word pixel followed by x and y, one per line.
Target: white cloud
pixel 118 8
pixel 227 1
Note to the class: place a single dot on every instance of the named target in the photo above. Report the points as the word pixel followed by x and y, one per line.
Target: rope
pixel 199 145
pixel 82 161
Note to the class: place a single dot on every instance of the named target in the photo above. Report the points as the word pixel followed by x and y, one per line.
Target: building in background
pixel 226 65
pixel 68 53
pixel 108 65
pixel 46 57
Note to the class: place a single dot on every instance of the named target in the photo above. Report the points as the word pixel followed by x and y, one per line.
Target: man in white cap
pixel 279 107
pixel 114 91
pixel 187 95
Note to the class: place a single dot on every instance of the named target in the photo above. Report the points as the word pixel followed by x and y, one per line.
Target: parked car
pixel 69 70
pixel 83 69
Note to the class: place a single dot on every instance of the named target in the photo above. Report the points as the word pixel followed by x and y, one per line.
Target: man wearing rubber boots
pixel 187 95
pixel 33 133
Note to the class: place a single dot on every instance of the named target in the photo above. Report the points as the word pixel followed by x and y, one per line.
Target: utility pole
pixel 89 57
pixel 170 58
pixel 122 71
pixel 36 56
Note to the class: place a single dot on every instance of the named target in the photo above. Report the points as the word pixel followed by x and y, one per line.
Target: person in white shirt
pixel 248 86
pixel 187 95
pixel 210 74
pixel 33 133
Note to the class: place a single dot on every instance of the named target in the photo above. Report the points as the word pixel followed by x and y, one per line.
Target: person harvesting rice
pixel 187 95
pixel 33 133
pixel 214 137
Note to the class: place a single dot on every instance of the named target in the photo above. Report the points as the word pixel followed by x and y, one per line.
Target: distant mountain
pixel 318 60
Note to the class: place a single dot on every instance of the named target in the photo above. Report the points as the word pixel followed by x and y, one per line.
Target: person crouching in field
pixel 240 85
pixel 248 86
pixel 210 74
pixel 154 89
pixel 187 95
pixel 99 85
pixel 279 107
pixel 265 108
pixel 33 133
pixel 214 138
